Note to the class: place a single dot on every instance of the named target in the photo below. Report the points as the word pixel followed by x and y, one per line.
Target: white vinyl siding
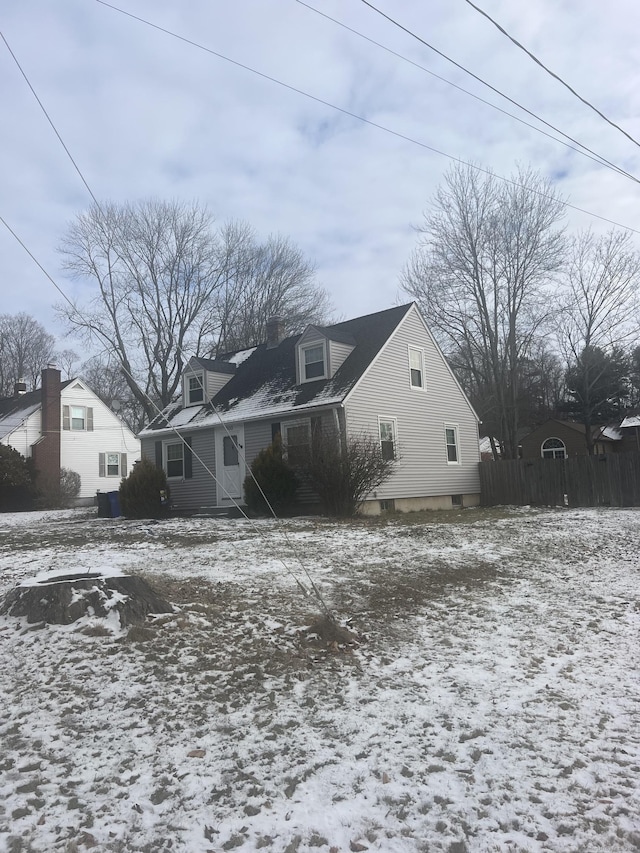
pixel 80 449
pixel 422 469
pixel 338 352
pixel 26 432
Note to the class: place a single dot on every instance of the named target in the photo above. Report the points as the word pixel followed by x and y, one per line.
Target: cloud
pixel 145 114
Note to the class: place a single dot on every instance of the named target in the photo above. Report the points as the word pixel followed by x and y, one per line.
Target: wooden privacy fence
pixel 609 480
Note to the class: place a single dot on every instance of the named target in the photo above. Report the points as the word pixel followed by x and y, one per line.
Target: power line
pixel 582 150
pixel 552 73
pixel 125 370
pixel 493 89
pixel 364 120
pixel 206 468
pixel 48 117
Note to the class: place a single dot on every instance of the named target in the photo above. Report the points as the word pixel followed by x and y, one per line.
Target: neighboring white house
pixel 381 374
pixel 65 425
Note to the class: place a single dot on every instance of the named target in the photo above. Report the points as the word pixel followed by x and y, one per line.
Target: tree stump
pixel 60 599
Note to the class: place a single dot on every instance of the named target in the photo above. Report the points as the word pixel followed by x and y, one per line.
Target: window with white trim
pixel 554 448
pixel 297 442
pixel 77 418
pixel 451 442
pixel 387 428
pixel 195 393
pixel 416 367
pixel 313 362
pixel 112 464
pixel 174 459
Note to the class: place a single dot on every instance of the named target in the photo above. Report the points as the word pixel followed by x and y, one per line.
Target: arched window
pixel 553 448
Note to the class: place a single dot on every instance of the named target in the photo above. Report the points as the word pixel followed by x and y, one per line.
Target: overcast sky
pixel 147 115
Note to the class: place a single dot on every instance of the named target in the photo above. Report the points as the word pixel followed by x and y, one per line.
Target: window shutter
pixel 90 419
pixel 159 454
pixel 316 433
pixel 66 418
pixel 123 464
pixel 101 467
pixel 276 436
pixel 188 459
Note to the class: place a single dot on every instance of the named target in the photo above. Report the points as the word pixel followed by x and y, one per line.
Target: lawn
pixel 489 700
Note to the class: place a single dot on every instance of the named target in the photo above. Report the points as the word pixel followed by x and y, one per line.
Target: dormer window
pixel 196 389
pixel 314 362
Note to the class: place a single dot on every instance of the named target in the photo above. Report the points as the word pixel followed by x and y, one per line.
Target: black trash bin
pixel 114 504
pixel 104 507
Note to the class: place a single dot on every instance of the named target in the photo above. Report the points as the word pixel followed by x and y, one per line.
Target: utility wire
pixel 48 117
pixel 206 468
pixel 158 410
pixel 596 159
pixel 493 88
pixel 369 122
pixel 552 73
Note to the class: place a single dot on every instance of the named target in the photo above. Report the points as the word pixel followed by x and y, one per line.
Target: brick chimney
pixel 46 451
pixel 275 331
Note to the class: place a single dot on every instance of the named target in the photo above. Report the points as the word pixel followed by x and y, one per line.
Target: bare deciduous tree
pixel 602 300
pixel 68 361
pixel 343 470
pixel 171 284
pixel 105 377
pixel 157 266
pixel 270 279
pixel 25 348
pixel 488 251
pixel 598 316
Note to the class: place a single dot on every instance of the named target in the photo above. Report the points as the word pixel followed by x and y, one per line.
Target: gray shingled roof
pixel 264 384
pixel 14 410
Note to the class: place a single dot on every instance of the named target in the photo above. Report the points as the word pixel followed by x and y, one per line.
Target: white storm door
pixel 230 455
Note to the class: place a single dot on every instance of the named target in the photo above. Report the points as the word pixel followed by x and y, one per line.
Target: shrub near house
pixel 271 480
pixel 144 493
pixel 17 481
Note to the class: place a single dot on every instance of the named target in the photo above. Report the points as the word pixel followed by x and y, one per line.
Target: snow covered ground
pixel 493 703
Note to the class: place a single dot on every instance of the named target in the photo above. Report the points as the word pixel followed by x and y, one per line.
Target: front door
pixel 230 464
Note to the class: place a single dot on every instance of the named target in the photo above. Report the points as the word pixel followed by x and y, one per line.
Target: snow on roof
pixel 14 420
pixel 631 421
pixel 611 432
pixel 265 383
pixel 238 357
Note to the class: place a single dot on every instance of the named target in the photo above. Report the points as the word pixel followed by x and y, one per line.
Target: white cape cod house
pixel 66 425
pixel 381 374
